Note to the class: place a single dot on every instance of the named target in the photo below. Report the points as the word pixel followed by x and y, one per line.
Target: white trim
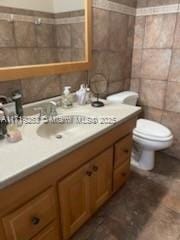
pixel 33 19
pixel 165 9
pixel 70 20
pixel 115 7
pixel 102 4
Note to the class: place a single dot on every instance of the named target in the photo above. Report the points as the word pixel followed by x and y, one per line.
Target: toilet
pixel 148 136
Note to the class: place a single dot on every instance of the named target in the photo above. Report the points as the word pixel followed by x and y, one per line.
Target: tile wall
pixel 113 33
pixel 156 66
pixel 22 42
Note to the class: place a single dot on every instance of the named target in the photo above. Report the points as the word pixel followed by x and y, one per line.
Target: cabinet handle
pixel 35 220
pixel 124 174
pixel 126 151
pixel 95 168
pixel 89 173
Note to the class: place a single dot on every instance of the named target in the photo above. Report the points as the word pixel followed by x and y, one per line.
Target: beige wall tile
pixel 100 64
pixel 153 93
pixel 7 34
pixel 6 88
pixel 8 57
pixel 74 80
pixel 130 3
pixel 47 55
pixel 100 29
pixel 155 63
pixel 135 85
pixel 139 32
pixel 63 35
pixel 28 56
pixel 116 65
pixel 175 66
pixel 159 31
pixel 172 120
pixel 153 114
pixel 40 88
pixel 115 87
pixel 136 63
pixel 173 97
pixel 177 33
pixel 78 40
pixel 153 3
pixel 25 34
pixel 118 31
pixel 44 35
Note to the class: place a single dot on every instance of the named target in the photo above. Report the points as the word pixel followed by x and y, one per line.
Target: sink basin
pixel 48 130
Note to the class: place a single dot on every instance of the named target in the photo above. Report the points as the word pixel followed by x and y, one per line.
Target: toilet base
pixel 146 160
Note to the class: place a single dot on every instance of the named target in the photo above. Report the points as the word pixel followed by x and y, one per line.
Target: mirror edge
pixel 30 71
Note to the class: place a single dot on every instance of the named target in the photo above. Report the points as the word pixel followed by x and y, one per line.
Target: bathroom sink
pixel 48 130
pixel 60 129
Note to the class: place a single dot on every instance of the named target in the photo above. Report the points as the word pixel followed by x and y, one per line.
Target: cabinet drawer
pixel 123 150
pixel 121 175
pixel 50 233
pixel 28 220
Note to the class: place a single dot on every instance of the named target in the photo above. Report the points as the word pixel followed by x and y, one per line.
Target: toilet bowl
pixel 148 136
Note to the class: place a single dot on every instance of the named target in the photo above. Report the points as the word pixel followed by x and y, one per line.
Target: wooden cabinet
pixel 101 184
pixel 54 202
pixel 121 171
pixel 28 220
pixel 84 191
pixel 74 196
pixel 121 175
pixel 50 233
pixel 123 150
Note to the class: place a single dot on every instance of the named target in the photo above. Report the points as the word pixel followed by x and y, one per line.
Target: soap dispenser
pixel 81 95
pixel 67 99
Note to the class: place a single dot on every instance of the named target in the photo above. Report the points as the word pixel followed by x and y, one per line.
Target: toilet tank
pixel 127 97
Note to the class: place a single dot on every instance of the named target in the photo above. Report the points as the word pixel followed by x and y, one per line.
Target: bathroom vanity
pixel 50 187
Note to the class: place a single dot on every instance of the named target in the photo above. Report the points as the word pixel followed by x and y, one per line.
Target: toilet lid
pixel 152 129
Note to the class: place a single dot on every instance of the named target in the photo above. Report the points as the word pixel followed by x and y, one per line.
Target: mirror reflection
pixel 41 31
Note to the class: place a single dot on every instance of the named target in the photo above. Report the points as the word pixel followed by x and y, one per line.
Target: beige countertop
pixel 18 160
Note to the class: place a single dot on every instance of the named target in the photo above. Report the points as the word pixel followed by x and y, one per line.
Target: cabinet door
pixel 74 195
pixel 121 175
pixel 101 184
pixel 123 150
pixel 50 233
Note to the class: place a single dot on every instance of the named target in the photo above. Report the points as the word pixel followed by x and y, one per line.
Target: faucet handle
pixel 41 110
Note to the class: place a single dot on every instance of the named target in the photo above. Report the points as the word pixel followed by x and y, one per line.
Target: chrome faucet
pixel 48 110
pixel 51 109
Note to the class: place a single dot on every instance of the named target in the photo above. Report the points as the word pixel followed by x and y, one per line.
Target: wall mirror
pixel 43 37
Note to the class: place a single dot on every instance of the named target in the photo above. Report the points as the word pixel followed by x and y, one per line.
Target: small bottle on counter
pixel 67 98
pixel 81 95
pixel 17 98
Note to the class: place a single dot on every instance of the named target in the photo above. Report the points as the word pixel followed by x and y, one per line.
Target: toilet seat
pixel 152 131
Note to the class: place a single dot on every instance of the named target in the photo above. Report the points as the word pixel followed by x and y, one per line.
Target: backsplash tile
pixel 40 88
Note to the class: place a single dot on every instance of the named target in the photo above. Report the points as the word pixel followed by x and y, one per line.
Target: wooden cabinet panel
pixel 121 175
pixel 28 220
pixel 74 196
pixel 50 233
pixel 123 150
pixel 101 184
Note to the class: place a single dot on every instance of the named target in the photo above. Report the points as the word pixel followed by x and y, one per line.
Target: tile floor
pixel 146 208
